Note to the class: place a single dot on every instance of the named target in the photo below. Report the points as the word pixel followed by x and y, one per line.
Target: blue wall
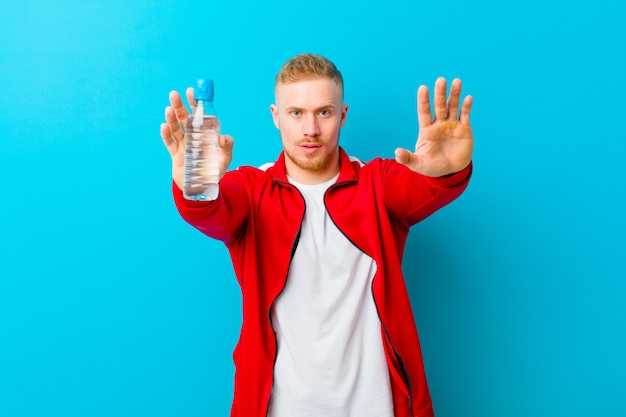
pixel 111 305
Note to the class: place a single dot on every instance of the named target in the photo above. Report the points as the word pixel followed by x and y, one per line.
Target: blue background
pixel 110 305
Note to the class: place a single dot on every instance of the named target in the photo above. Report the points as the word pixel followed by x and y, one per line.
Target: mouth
pixel 309 147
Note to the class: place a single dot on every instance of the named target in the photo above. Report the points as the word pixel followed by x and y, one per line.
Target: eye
pixel 324 112
pixel 296 113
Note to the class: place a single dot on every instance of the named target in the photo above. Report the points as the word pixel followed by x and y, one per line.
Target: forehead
pixel 309 93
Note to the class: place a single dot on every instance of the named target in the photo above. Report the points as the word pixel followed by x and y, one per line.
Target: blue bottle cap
pixel 204 90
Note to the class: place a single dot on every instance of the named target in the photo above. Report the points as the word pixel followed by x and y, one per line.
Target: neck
pixel 307 176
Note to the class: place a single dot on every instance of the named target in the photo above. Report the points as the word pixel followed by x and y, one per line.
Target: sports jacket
pixel 258 216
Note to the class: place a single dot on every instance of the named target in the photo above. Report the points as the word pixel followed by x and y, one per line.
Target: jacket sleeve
pixel 223 218
pixel 411 197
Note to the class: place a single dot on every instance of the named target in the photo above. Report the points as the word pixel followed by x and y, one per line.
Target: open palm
pixel 445 143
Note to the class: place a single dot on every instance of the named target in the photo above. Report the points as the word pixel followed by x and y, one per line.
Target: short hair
pixel 308 67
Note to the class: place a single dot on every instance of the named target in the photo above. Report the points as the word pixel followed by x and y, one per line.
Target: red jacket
pixel 258 215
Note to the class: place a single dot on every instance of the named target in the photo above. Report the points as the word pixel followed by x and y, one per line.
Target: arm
pixel 223 218
pixel 411 197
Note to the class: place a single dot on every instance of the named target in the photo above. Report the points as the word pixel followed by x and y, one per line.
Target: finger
pixel 166 135
pixel 441 111
pixel 179 108
pixel 466 107
pixel 172 121
pixel 190 98
pixel 424 117
pixel 453 99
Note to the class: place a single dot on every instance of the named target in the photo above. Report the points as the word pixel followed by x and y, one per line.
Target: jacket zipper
pixel 269 313
pixel 405 374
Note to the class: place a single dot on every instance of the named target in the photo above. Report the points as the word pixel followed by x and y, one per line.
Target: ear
pixel 275 116
pixel 344 113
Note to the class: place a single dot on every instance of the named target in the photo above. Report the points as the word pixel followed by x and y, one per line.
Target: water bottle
pixel 202 147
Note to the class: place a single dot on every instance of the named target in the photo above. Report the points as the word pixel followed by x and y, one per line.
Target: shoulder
pixel 379 165
pixel 246 174
pixel 266 166
pixel 356 161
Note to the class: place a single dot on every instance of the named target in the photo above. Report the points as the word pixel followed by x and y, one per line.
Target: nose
pixel 311 128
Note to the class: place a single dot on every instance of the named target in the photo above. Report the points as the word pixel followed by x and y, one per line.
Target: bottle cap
pixel 204 90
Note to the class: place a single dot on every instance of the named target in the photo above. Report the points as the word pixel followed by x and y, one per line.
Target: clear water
pixel 202 160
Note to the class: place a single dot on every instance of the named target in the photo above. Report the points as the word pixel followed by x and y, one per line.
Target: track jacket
pixel 258 215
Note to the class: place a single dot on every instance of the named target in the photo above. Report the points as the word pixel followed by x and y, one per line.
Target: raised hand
pixel 445 143
pixel 173 135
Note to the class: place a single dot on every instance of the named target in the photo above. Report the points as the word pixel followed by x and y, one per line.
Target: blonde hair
pixel 307 67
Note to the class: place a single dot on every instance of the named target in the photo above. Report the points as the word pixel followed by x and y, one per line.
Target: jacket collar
pixel 347 172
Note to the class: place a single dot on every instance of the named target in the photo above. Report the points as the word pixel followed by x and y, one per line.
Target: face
pixel 309 115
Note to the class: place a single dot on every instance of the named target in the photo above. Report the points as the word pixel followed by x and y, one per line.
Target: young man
pixel 317 240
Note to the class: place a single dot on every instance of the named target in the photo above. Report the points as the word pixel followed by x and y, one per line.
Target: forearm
pixel 412 197
pixel 220 219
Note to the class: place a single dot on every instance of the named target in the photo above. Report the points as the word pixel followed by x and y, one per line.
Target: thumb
pixel 403 156
pixel 226 143
pixel 226 152
pixel 408 159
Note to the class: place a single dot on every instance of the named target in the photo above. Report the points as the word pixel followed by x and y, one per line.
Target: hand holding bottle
pixel 173 135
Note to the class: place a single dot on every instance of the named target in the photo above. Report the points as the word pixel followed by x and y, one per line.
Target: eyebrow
pixel 318 109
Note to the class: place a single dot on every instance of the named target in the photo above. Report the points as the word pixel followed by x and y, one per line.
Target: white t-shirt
pixel 330 361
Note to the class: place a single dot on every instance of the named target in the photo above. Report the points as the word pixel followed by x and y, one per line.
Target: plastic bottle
pixel 202 147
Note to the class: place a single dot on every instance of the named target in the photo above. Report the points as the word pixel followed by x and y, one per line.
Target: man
pixel 316 241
